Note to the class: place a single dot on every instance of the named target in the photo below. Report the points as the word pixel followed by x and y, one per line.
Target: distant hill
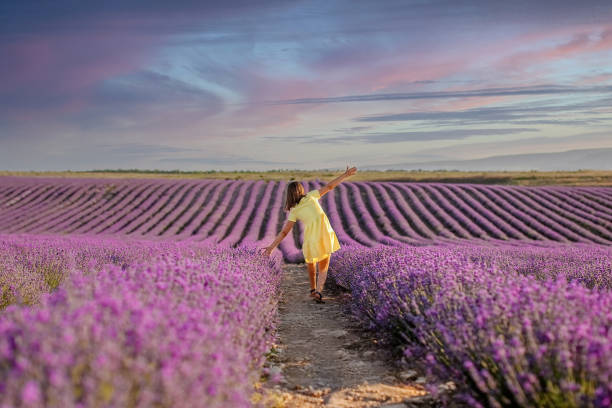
pixel 592 159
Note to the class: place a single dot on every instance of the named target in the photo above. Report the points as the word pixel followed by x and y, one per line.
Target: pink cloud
pixel 52 73
pixel 596 79
pixel 472 103
pixel 398 74
pixel 393 77
pixel 582 42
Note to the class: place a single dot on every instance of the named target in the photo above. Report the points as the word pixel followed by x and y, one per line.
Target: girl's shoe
pixel 318 297
pixel 312 292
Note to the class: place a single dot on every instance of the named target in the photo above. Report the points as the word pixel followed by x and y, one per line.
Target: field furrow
pixel 233 212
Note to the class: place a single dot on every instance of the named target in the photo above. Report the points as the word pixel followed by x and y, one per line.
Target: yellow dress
pixel 319 238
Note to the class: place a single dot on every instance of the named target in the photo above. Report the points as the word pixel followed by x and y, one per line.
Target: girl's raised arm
pixel 329 186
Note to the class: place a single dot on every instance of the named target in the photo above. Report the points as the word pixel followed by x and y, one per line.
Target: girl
pixel 319 238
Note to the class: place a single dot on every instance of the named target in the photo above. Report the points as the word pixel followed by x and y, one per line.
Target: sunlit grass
pixel 527 178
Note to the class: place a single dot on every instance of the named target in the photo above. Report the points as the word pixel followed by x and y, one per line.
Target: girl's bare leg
pixel 323 265
pixel 311 274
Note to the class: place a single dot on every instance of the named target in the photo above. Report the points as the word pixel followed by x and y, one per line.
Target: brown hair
pixel 295 192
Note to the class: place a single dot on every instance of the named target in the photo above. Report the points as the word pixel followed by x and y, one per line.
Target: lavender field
pixel 127 292
pixel 365 213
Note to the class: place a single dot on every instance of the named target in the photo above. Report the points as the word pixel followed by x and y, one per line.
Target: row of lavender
pixel 111 322
pixel 365 213
pixel 513 327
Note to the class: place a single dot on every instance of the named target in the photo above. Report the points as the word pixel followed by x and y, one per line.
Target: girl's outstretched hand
pixel 351 171
pixel 266 251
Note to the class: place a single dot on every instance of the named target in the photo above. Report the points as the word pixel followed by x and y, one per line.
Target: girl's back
pixel 308 210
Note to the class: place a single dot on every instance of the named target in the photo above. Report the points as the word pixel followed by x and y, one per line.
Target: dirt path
pixel 325 359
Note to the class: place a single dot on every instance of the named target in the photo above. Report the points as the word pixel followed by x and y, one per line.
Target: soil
pixel 324 358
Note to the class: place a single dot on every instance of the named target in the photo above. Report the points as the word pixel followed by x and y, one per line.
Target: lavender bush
pixel 513 327
pixel 138 325
pixel 34 264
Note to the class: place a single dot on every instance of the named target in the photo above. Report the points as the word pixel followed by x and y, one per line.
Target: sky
pixel 251 85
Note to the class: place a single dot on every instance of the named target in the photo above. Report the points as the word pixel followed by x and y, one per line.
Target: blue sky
pixel 301 84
